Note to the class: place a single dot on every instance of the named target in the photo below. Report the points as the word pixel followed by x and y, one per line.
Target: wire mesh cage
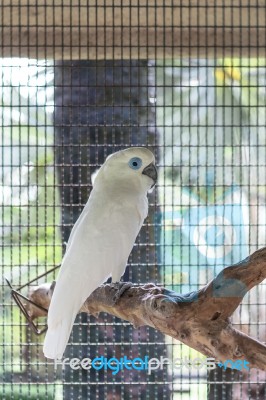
pixel 81 80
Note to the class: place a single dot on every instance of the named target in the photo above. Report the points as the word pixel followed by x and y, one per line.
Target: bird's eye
pixel 135 163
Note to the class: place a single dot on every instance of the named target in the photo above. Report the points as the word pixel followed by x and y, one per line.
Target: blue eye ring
pixel 135 163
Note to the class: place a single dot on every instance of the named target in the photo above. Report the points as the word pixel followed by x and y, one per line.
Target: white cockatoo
pixel 101 240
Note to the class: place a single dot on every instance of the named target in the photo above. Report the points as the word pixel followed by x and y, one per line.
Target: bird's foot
pixel 120 288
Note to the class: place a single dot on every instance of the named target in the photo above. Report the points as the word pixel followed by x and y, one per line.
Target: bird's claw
pixel 120 288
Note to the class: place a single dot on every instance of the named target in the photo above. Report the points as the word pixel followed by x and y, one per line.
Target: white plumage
pixel 101 239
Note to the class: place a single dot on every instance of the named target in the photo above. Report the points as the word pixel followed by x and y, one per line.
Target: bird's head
pixel 129 168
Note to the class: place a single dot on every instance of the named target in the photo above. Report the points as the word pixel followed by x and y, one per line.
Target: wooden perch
pixel 199 319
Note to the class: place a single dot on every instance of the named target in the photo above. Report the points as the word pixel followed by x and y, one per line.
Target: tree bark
pixel 199 319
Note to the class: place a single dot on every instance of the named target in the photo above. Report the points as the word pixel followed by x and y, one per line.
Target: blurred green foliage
pixel 211 113
pixel 30 218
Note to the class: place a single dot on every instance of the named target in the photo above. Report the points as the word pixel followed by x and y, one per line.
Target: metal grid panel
pixel 205 120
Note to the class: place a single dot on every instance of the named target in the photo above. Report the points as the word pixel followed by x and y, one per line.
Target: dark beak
pixel 151 172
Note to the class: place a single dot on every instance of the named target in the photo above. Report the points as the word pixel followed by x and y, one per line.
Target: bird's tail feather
pixel 56 339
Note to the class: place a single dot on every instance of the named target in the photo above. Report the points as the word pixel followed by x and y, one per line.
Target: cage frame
pixel 17 296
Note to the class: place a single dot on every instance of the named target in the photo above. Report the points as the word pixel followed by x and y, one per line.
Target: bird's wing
pixel 100 244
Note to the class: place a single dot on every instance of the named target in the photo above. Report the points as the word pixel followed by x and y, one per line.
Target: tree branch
pixel 199 319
